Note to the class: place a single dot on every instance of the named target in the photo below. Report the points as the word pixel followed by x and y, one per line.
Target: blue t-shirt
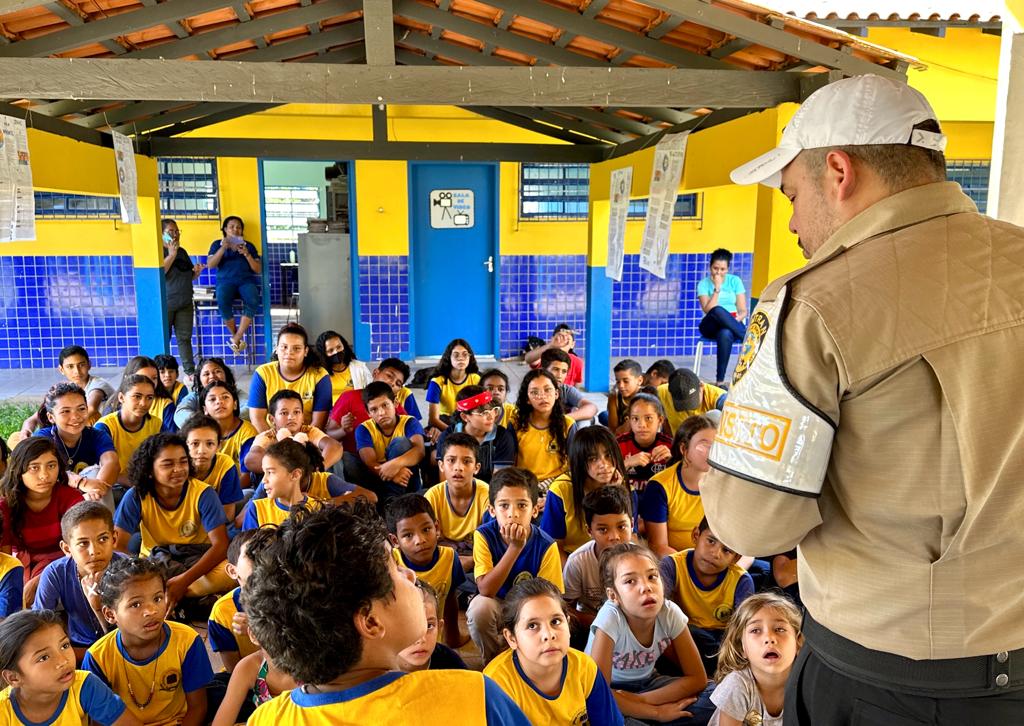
pixel 93 444
pixel 12 588
pixel 60 588
pixel 233 267
pixel 731 287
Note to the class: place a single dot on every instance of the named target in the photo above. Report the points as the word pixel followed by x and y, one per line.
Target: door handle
pixel 489 263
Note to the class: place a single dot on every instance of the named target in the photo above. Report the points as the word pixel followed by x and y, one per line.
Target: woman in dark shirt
pixel 179 274
pixel 238 275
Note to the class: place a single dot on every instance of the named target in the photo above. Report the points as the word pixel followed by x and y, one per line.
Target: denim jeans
pixel 720 326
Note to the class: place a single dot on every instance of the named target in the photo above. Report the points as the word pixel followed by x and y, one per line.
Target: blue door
pixel 454 250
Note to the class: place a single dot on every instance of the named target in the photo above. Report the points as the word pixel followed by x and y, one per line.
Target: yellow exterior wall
pixel 382 207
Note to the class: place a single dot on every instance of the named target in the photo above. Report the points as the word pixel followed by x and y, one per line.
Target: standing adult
pixel 723 299
pixel 871 423
pixel 238 276
pixel 179 274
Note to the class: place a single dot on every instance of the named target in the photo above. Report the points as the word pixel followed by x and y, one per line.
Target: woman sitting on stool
pixel 238 275
pixel 724 302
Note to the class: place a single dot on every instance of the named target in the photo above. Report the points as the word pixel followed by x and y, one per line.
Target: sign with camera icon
pixel 451 208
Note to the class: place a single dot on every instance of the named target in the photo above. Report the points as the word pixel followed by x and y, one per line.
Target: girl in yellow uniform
pixel 337 355
pixel 543 431
pixel 37 660
pixel 548 680
pixel 594 462
pixel 159 668
pixel 220 402
pixel 296 367
pixel 202 434
pixel 163 407
pixel 180 519
pixel 132 423
pixel 456 370
pixel 671 506
pixel 288 468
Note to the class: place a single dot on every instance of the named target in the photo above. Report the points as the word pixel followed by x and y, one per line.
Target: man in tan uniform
pixel 875 421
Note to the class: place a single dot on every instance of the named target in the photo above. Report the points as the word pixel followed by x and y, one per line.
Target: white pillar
pixel 1006 180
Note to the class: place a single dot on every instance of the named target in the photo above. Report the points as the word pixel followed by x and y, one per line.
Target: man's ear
pixel 368 624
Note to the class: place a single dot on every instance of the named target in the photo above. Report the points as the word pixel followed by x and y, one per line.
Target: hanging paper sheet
pixel 17 200
pixel 622 181
pixel 669 155
pixel 127 179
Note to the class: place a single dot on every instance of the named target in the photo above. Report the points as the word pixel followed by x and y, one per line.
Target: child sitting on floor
pixel 288 422
pixel 543 431
pixel 629 380
pixel 413 530
pixel 202 434
pixel 708 585
pixel 460 500
pixel 557 362
pixel 37 661
pixel 646 448
pixel 457 368
pixel 426 653
pixel 71 583
pixel 158 667
pixel 168 370
pixel 390 446
pixel 288 467
pixel 227 626
pixel 352 675
pixel 506 549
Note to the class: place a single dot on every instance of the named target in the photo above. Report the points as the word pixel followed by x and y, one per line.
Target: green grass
pixel 12 415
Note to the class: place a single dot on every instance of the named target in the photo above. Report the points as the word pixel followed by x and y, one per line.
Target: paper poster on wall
pixel 669 155
pixel 622 182
pixel 451 208
pixel 17 200
pixel 127 179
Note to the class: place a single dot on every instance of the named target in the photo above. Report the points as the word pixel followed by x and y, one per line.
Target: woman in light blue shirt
pixel 724 302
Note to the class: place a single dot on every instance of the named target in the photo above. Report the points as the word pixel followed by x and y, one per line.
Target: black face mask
pixel 335 360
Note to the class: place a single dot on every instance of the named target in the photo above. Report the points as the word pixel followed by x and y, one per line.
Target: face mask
pixel 335 360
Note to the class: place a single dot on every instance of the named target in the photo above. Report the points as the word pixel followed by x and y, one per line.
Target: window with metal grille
pixel 188 188
pixel 287 209
pixel 972 176
pixel 687 207
pixel 57 205
pixel 553 191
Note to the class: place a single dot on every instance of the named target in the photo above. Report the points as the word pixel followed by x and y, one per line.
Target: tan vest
pixel 907 331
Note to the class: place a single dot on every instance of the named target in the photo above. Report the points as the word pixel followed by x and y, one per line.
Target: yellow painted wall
pixel 382 207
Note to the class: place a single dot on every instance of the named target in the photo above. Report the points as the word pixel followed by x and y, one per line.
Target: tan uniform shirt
pixel 906 330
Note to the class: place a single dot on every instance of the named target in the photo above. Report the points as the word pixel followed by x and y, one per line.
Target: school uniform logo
pixel 723 612
pixel 756 333
pixel 188 528
pixel 581 719
pixel 170 681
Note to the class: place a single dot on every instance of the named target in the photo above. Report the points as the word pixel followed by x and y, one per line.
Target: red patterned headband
pixel 468 404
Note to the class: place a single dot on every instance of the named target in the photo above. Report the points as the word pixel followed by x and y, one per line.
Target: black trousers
pixel 818 695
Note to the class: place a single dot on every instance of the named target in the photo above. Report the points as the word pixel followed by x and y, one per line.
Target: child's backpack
pixel 421 377
pixel 532 343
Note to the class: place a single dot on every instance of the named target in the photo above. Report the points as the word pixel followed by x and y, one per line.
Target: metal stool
pixel 698 353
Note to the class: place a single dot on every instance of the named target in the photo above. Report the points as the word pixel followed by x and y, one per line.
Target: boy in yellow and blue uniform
pixel 413 530
pixel 390 446
pixel 351 678
pixel 708 585
pixel 507 549
pixel 11 584
pixel 228 613
pixel 167 369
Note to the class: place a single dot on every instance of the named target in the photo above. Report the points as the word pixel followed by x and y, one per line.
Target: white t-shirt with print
pixel 631 661
pixel 737 696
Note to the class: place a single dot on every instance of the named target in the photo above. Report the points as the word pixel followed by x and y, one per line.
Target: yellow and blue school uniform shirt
pixel 537 450
pixel 323 485
pixel 163 409
pixel 706 607
pixel 405 399
pixel 125 441
pixel 178 667
pixel 88 700
pixel 218 628
pixel 224 479
pixel 442 390
pixel 666 499
pixel 369 435
pixel 444 573
pixel 454 525
pixel 259 512
pixel 508 415
pixel 12 575
pixel 179 392
pixel 237 443
pixel 92 445
pixel 313 384
pixel 424 698
pixel 341 381
pixel 539 558
pixel 197 513
pixel 708 402
pixel 560 518
pixel 584 697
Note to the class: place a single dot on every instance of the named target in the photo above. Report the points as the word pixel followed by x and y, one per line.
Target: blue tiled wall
pixel 655 317
pixel 283 281
pixel 384 297
pixel 539 292
pixel 50 302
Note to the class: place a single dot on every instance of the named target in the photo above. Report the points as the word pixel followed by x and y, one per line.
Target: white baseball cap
pixel 852 112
